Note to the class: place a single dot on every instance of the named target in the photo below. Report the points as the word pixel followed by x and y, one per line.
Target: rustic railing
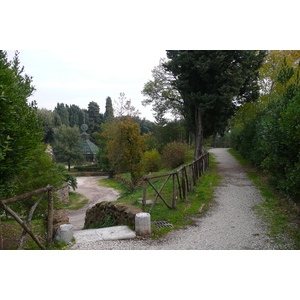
pixel 26 225
pixel 183 181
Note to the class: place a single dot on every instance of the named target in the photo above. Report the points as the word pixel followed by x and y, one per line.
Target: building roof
pixel 87 147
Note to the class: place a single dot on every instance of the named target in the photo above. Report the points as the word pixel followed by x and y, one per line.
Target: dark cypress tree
pixel 109 111
pixel 95 118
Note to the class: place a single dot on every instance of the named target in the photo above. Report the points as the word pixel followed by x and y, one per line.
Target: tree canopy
pixel 67 145
pixel 24 163
pixel 211 85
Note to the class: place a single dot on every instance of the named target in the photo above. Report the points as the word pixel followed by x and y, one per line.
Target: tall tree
pixel 63 111
pixel 109 111
pixel 271 67
pixel 20 132
pixel 212 85
pixel 67 145
pixel 75 115
pixel 125 146
pixel 164 96
pixel 95 118
pixel 24 163
pixel 47 122
pixel 123 107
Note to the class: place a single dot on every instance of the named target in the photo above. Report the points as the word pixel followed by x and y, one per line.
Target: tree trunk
pixel 199 146
pixel 214 143
pixel 1 239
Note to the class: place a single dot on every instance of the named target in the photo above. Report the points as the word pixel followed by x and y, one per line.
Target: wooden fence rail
pixel 183 181
pixel 26 224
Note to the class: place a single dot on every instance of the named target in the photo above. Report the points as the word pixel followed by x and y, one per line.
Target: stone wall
pixel 63 193
pixel 60 217
pixel 123 213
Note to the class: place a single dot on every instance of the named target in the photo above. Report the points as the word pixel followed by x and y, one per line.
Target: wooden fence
pixel 183 181
pixel 49 189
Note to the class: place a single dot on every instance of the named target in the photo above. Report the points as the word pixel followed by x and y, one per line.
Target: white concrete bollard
pixel 143 224
pixel 64 233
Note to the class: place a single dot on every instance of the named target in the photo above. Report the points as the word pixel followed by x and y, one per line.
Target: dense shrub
pixel 151 161
pixel 174 154
pixel 271 141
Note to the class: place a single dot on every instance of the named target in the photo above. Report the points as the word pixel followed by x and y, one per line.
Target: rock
pixel 64 233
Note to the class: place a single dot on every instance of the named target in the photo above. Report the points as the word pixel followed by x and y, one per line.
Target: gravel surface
pixel 89 187
pixel 230 223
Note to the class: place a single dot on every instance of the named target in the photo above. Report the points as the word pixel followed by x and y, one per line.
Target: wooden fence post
pixel 18 219
pixel 1 240
pixel 179 186
pixel 50 218
pixel 173 192
pixel 183 184
pixel 144 194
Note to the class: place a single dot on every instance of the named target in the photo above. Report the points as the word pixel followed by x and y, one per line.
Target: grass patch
pixel 239 158
pixel 12 231
pixel 276 210
pixel 185 211
pixel 77 201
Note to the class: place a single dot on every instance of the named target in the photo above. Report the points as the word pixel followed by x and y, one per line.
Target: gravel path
pixel 88 186
pixel 229 224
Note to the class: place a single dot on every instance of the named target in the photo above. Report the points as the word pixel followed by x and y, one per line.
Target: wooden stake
pixel 144 194
pixel 22 237
pixel 50 218
pixel 16 217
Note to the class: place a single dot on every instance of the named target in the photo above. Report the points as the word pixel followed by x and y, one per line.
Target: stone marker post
pixel 143 224
pixel 64 233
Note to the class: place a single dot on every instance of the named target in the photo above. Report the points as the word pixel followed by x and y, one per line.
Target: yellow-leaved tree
pixel 125 146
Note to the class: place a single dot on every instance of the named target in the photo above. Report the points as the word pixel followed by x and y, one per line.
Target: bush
pixel 151 161
pixel 174 154
pixel 271 142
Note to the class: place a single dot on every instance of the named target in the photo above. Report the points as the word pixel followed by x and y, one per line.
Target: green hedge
pixel 271 141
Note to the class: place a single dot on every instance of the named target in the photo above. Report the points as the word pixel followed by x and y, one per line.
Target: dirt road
pixel 88 186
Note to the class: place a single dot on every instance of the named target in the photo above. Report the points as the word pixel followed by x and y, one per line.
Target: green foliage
pixel 107 222
pixel 174 154
pixel 125 146
pixel 109 111
pixel 270 138
pixel 201 87
pixel 151 161
pixel 67 145
pixel 185 210
pixel 20 132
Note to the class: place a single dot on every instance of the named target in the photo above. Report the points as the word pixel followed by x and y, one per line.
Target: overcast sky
pixel 79 77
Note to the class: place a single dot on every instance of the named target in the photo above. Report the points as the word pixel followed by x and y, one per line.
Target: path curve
pixel 230 224
pixel 89 187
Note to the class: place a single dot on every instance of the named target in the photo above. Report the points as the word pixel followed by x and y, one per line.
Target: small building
pixel 88 148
